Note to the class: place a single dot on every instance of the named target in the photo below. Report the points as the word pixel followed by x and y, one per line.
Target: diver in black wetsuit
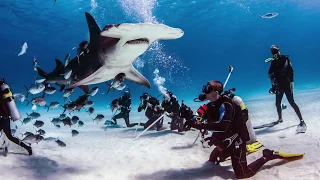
pixel 8 112
pixel 230 132
pixel 152 109
pixel 281 76
pixel 185 112
pixel 125 107
pixel 171 105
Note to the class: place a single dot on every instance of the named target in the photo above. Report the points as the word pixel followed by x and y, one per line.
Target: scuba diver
pixel 171 105
pixel 153 110
pixel 253 145
pixel 281 76
pixel 230 132
pixel 185 112
pixel 124 104
pixel 9 111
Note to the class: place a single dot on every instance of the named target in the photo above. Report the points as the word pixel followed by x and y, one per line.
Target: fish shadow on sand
pixel 207 171
pixel 269 130
pixel 45 168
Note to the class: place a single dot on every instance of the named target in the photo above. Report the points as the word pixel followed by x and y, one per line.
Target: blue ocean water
pixel 217 34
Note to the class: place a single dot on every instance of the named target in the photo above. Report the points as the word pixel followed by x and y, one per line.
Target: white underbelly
pixel 103 74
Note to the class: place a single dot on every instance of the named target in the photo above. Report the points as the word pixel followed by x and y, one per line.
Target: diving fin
pixel 288 155
pixel 256 146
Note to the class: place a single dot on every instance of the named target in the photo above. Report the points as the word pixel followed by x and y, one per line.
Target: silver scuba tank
pixel 8 100
pixel 237 100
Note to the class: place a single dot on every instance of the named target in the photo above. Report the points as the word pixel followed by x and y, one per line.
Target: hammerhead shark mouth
pixel 112 51
pixel 138 41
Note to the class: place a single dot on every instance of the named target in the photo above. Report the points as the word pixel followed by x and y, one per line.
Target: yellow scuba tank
pixel 8 100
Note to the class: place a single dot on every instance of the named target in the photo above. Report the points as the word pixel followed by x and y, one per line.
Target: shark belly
pixel 103 74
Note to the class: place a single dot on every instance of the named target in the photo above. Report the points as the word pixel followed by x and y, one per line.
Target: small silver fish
pixel 74 132
pixel 34 115
pixel 60 143
pixel 38 124
pixel 99 118
pixel 80 123
pixel 26 120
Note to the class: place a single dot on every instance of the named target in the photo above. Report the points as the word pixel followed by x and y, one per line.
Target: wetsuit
pixel 125 108
pixel 185 112
pixel 5 126
pixel 172 106
pixel 281 76
pixel 230 134
pixel 152 112
pixel 222 155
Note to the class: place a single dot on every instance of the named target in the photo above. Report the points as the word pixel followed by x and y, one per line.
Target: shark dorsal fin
pixel 94 29
pixel 58 63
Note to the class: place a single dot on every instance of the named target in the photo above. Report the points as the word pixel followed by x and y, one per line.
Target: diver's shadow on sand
pixel 140 129
pixel 207 171
pixel 45 168
pixel 154 133
pixel 269 130
pixel 189 146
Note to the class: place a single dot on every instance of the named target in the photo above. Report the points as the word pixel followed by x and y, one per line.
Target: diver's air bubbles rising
pixel 246 8
pixel 93 4
pixel 159 82
pixel 142 11
pixel 138 64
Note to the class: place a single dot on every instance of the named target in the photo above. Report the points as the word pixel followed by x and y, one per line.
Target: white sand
pixel 112 154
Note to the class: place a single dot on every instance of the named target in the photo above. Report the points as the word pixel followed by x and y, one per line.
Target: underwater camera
pixel 229 93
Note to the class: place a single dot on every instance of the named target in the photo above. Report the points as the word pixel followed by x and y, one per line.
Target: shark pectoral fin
pixel 85 88
pixel 133 75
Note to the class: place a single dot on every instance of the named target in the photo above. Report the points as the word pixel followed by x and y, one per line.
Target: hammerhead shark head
pixel 110 52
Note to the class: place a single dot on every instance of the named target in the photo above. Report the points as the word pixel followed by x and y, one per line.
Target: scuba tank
pixel 9 107
pixel 252 135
